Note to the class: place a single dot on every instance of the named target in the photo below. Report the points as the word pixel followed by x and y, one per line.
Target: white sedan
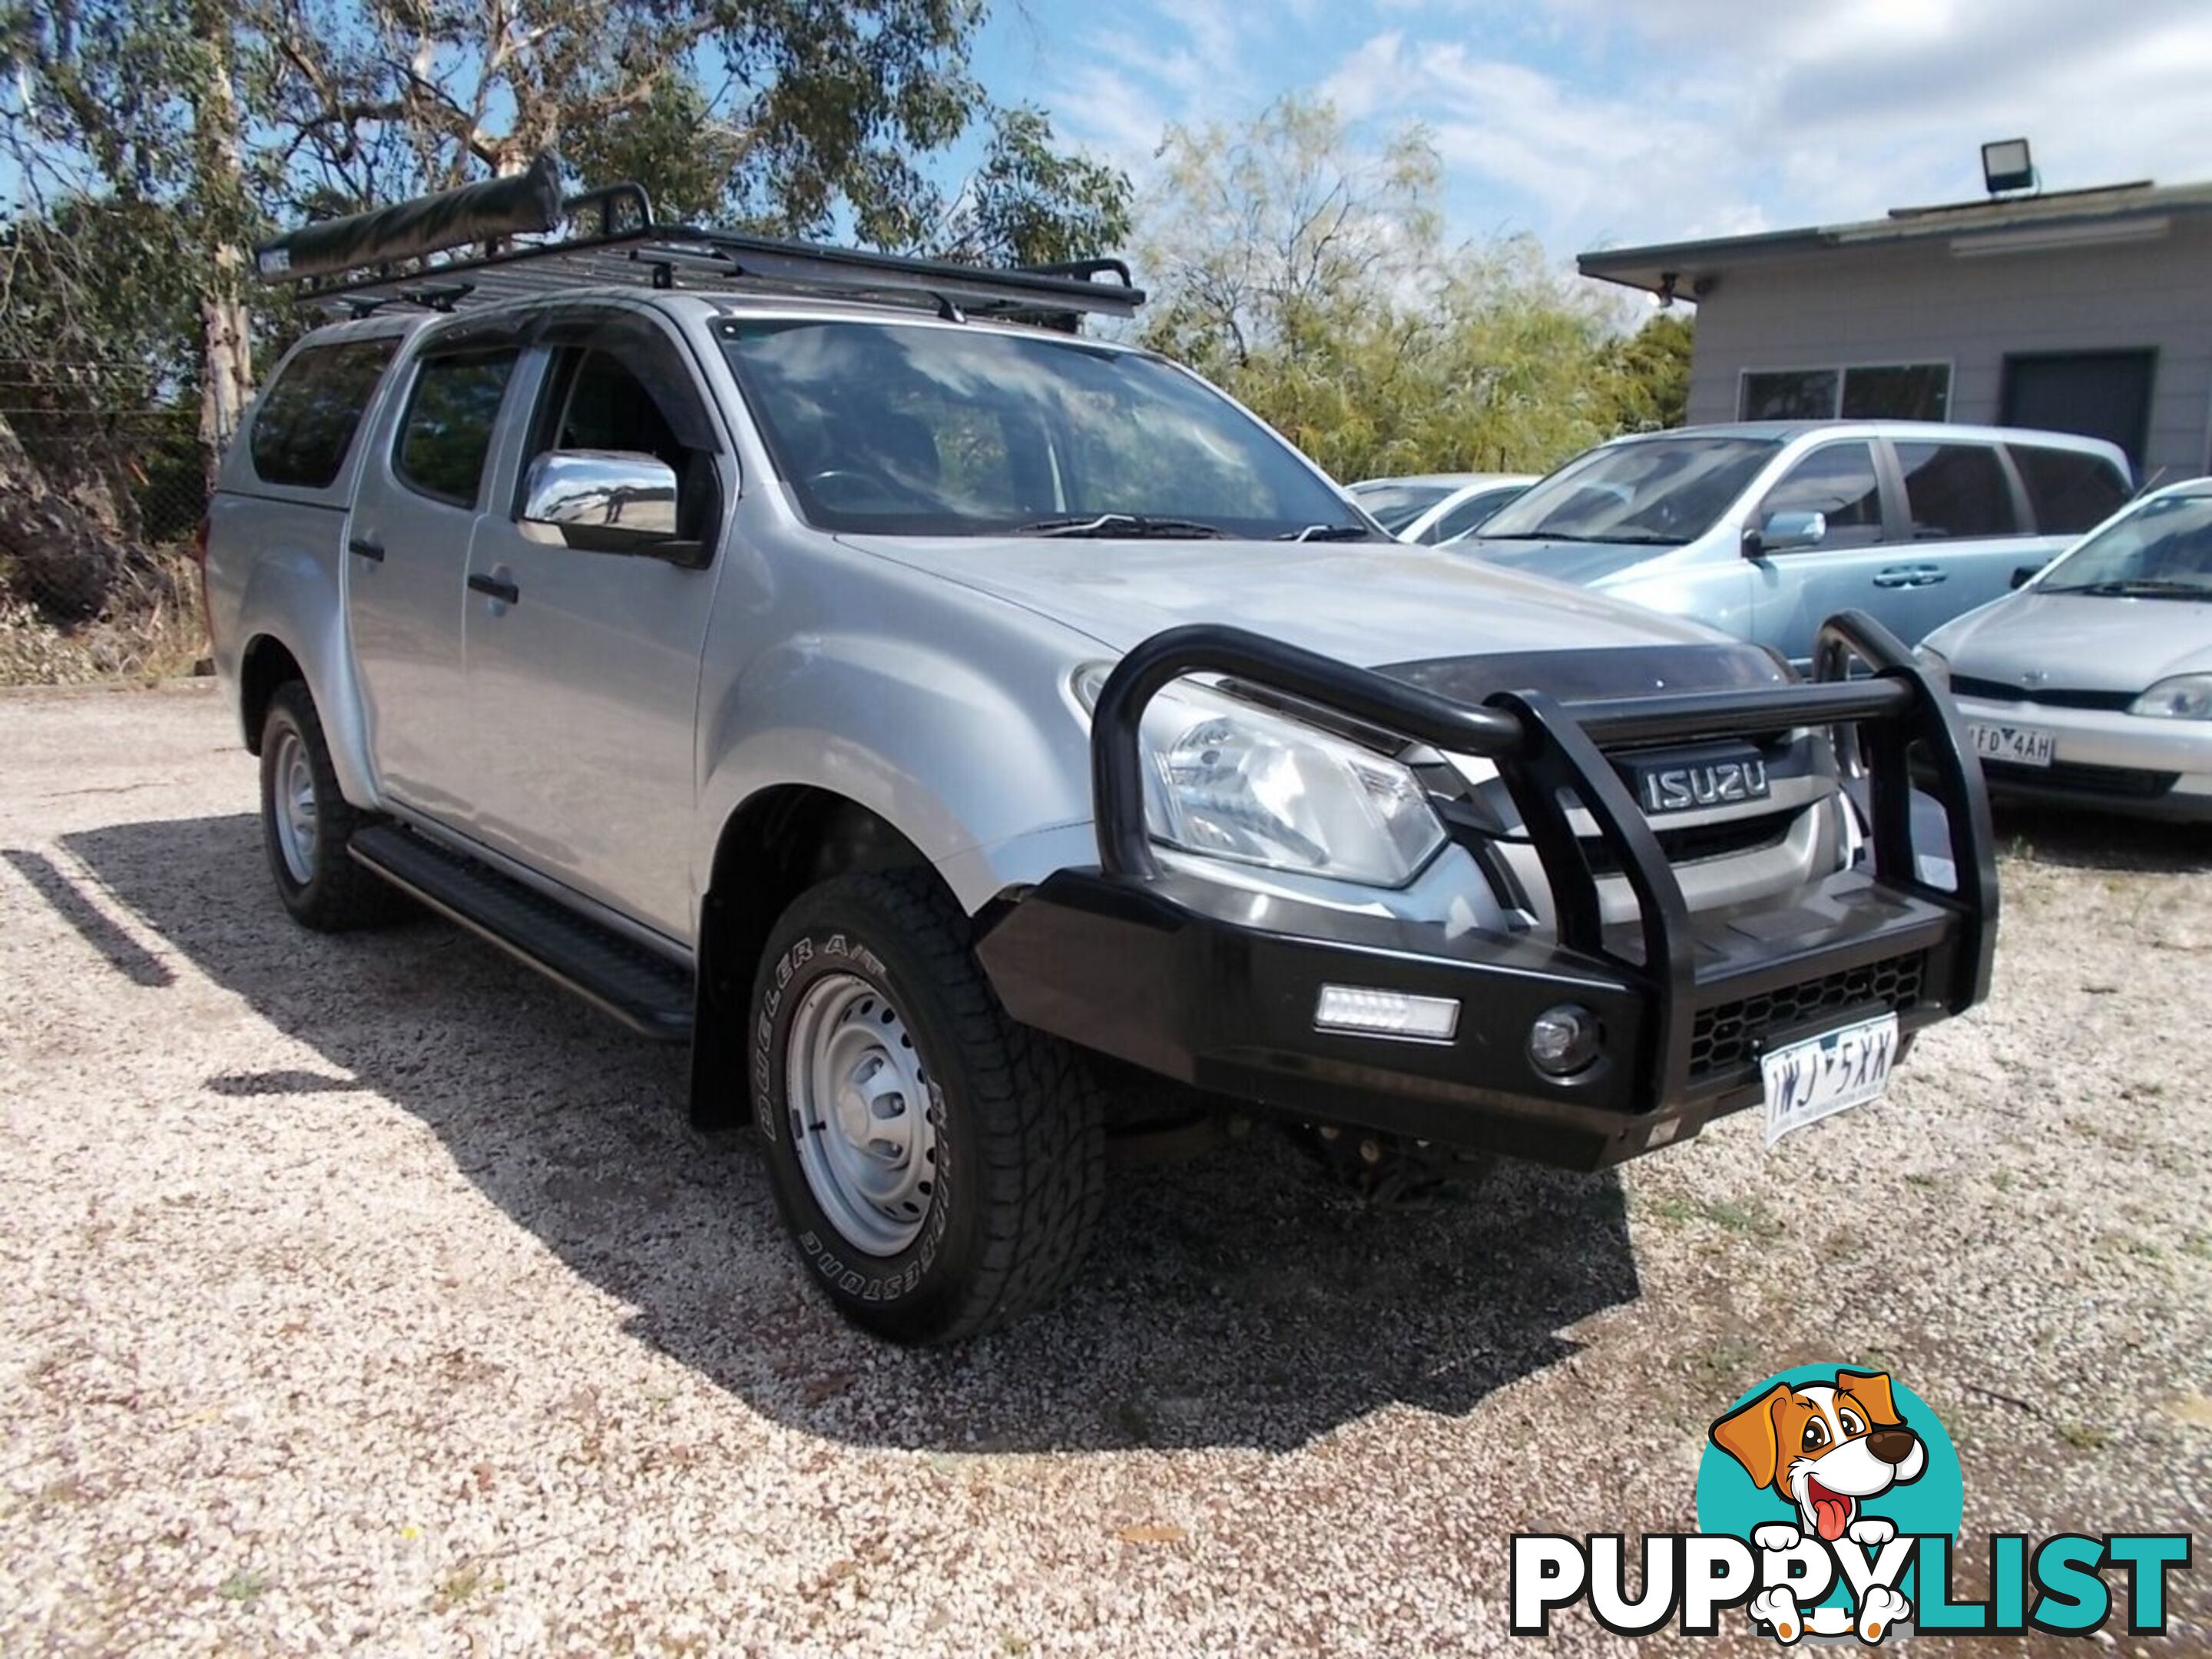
pixel 1437 507
pixel 2092 683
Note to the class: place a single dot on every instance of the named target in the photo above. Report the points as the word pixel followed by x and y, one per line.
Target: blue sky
pixel 1597 123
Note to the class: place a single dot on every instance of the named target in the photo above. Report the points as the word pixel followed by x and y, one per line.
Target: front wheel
pixel 941 1167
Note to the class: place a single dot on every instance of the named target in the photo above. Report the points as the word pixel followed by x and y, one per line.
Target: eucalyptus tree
pixel 1305 266
pixel 810 117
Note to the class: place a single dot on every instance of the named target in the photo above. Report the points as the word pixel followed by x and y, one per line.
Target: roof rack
pixel 459 250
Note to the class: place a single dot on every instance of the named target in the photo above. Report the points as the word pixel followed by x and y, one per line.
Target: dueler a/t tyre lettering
pixel 940 1167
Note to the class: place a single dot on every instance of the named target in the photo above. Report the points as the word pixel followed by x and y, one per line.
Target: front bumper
pixel 1218 986
pixel 2105 758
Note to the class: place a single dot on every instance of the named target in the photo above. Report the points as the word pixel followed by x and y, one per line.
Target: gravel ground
pixel 365 1293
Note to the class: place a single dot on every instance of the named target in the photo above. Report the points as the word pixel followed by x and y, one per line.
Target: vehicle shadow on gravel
pixel 1243 1300
pixel 2103 840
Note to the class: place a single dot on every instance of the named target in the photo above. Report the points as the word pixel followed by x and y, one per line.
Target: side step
pixel 646 992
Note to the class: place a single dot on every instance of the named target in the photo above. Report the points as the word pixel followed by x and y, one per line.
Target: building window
pixel 1861 392
pixel 1909 391
pixel 1788 394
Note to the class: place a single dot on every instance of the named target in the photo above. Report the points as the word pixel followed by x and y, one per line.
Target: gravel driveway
pixel 367 1293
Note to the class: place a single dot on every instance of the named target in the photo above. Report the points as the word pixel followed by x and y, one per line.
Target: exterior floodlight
pixel 2006 166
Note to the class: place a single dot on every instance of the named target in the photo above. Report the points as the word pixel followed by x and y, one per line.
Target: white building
pixel 2083 311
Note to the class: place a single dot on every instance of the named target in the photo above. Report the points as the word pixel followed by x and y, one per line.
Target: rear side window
pixel 1836 480
pixel 447 433
pixel 2067 490
pixel 1954 490
pixel 306 420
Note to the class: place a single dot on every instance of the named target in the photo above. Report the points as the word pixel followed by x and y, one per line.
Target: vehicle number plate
pixel 2023 745
pixel 1823 1075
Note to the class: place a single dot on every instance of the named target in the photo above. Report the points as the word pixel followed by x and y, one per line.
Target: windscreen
pixel 1397 505
pixel 912 429
pixel 1660 491
pixel 2162 550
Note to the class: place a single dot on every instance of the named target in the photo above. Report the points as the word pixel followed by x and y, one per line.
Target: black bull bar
pixel 1892 727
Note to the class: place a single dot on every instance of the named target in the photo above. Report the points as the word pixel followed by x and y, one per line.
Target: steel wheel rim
pixel 293 807
pixel 858 1095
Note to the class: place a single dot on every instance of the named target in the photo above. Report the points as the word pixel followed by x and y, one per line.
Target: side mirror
pixel 2022 574
pixel 604 501
pixel 1785 532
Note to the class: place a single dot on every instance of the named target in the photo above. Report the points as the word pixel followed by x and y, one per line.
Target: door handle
pixel 493 588
pixel 1910 575
pixel 373 551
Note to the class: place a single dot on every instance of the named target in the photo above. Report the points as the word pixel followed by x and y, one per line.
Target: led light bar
pixel 1370 1012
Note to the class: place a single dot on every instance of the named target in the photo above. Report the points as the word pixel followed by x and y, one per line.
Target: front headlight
pixel 1233 781
pixel 2183 697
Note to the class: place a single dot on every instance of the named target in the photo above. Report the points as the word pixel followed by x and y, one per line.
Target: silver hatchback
pixel 2093 684
pixel 1764 529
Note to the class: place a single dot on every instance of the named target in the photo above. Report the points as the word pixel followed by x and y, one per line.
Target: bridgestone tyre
pixel 1012 1149
pixel 305 822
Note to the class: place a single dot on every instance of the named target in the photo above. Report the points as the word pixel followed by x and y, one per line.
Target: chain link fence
pixel 99 509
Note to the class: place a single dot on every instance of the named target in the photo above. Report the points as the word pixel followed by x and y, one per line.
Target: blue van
pixel 1767 528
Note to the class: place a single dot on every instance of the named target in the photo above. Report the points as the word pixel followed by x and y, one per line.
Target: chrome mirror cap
pixel 610 500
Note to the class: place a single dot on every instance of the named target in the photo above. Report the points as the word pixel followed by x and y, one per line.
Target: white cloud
pixel 1122 82
pixel 1373 79
pixel 1556 156
pixel 1601 122
pixel 1593 122
pixel 1106 110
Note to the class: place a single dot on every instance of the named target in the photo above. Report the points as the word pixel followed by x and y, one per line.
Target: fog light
pixel 1386 1014
pixel 1564 1040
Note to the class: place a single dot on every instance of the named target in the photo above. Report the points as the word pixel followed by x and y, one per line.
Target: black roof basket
pixel 462 247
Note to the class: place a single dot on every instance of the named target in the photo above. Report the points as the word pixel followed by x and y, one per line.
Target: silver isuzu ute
pixel 978 741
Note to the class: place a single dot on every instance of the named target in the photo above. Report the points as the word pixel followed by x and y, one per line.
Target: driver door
pixel 583 667
pixel 1795 590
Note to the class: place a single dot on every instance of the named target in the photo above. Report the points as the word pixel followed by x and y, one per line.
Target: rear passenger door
pixel 583 667
pixel 421 493
pixel 1968 529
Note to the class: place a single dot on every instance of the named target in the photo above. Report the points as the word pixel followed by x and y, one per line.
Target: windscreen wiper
pixel 2149 586
pixel 1328 532
pixel 1478 534
pixel 1136 525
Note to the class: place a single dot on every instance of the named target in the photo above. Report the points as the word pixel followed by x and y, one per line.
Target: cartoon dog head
pixel 1823 1447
